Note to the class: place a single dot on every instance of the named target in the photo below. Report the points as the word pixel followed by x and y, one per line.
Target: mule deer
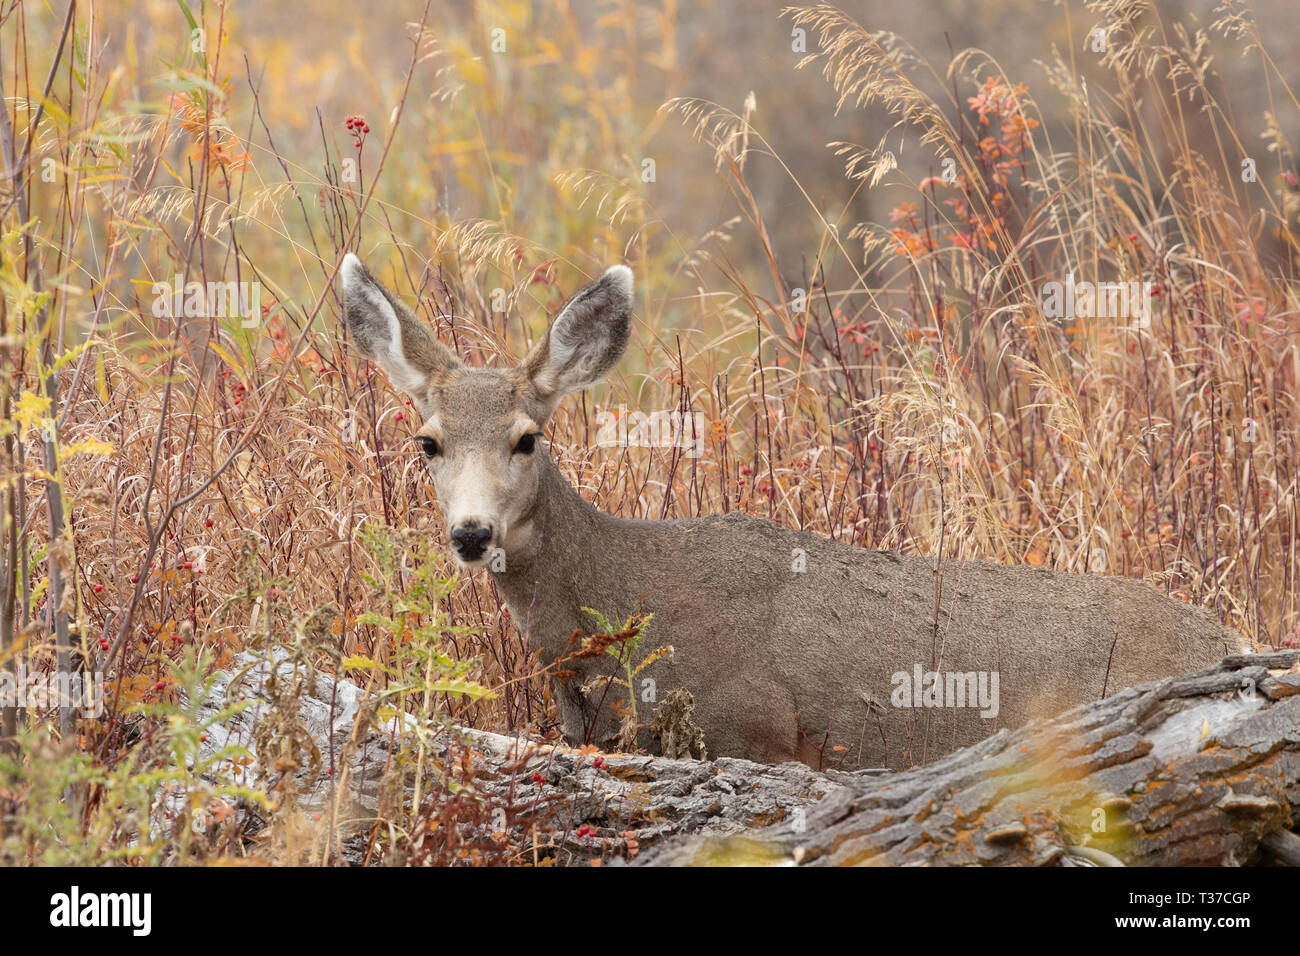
pixel 792 645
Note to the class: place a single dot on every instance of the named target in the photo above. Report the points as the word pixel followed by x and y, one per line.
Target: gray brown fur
pixel 782 664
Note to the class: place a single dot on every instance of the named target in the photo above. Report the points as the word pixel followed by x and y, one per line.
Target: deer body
pixel 786 665
pixel 791 645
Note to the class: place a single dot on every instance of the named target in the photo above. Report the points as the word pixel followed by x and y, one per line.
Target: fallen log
pixel 1202 769
pixel 1196 770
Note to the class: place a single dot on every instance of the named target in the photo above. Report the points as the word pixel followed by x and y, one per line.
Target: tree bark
pixel 1194 770
pixel 1202 769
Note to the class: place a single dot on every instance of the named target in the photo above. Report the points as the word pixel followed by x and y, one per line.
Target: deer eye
pixel 526 444
pixel 427 445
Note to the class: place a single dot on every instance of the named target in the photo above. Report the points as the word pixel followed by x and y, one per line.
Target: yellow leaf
pixel 357 662
pixel 91 446
pixel 230 361
pixel 30 409
pixel 172 171
pixel 101 379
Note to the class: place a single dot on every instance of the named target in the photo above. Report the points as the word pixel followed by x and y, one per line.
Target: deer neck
pixel 548 578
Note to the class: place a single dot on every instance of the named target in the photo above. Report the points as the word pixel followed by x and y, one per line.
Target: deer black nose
pixel 471 540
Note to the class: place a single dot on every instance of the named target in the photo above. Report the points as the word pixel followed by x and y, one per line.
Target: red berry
pixel 538 778
pixel 208 523
pixel 160 686
pixel 134 578
pixel 98 588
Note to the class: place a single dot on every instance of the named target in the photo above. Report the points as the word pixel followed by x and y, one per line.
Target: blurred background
pixel 518 117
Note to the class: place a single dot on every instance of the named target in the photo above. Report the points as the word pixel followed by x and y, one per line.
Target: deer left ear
pixel 586 339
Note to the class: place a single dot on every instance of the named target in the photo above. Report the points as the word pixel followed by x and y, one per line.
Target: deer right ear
pixel 388 333
pixel 586 339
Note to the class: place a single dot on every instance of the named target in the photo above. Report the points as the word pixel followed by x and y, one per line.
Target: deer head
pixel 482 429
